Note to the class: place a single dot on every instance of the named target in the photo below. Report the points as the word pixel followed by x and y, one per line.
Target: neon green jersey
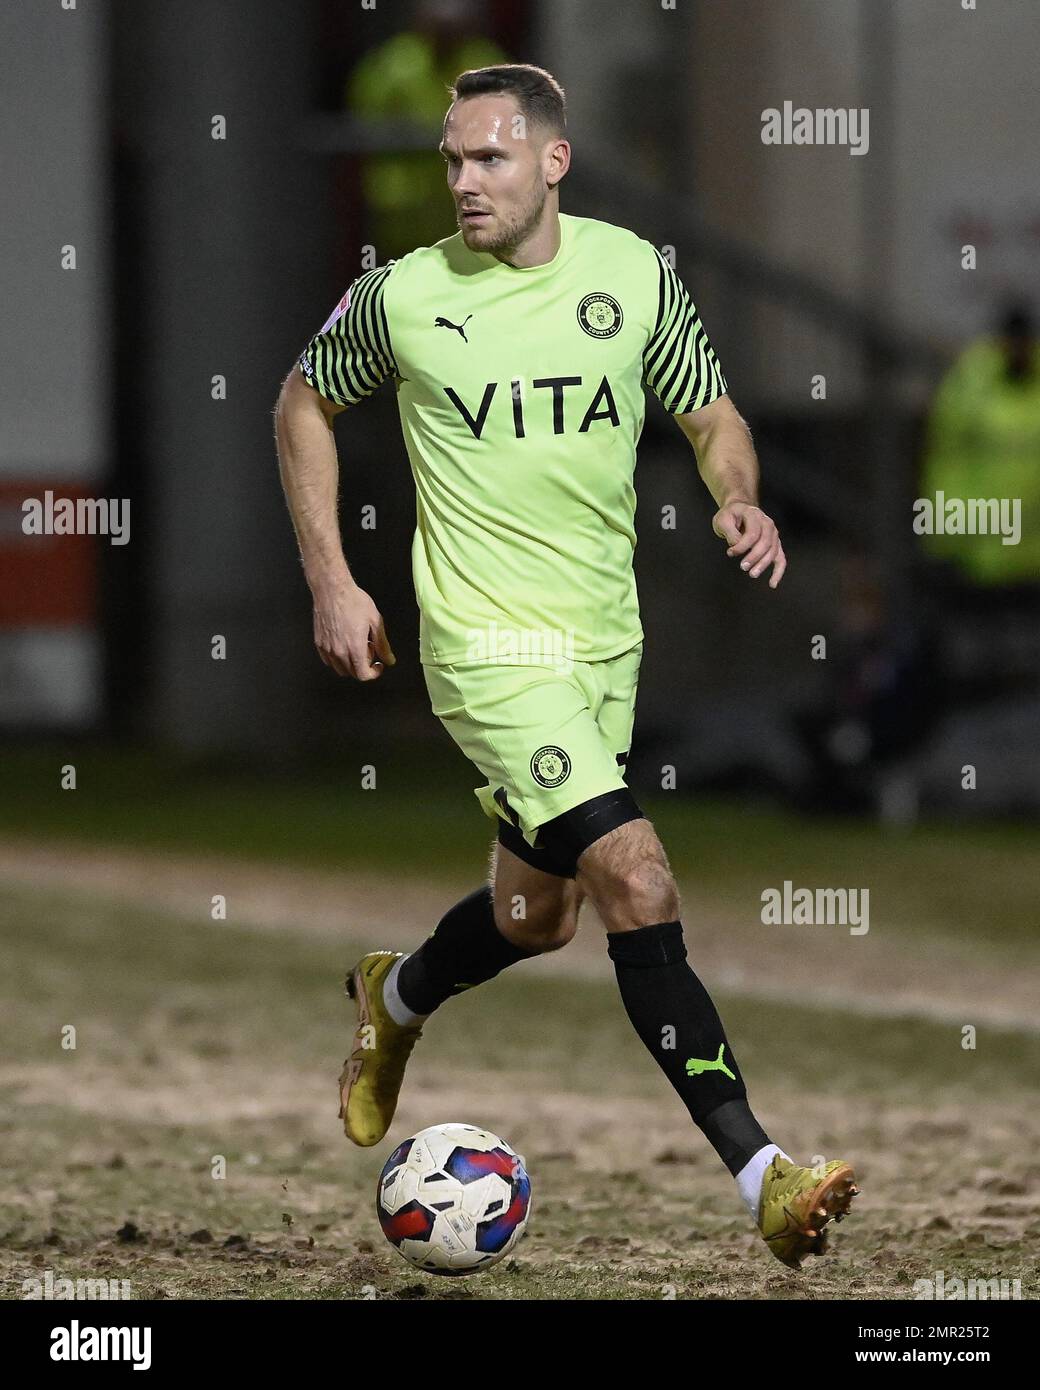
pixel 520 392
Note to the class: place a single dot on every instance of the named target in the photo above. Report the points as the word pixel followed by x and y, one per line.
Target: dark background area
pixel 201 257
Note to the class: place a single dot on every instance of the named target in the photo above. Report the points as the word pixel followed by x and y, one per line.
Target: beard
pixel 509 231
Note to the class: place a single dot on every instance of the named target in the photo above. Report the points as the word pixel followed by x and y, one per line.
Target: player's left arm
pixel 727 463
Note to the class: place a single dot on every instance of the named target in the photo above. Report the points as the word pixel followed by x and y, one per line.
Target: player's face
pixel 496 172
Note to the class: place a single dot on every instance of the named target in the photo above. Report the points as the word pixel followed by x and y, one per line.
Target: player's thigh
pixel 531 732
pixel 531 906
pixel 628 869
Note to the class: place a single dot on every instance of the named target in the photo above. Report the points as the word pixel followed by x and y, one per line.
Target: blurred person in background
pixel 880 706
pixel 983 442
pixel 407 79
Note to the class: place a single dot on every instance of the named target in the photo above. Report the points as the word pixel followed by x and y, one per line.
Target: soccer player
pixel 518 349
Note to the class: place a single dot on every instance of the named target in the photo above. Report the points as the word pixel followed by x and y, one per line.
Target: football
pixel 453 1199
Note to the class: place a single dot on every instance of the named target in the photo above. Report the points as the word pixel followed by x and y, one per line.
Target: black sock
pixel 673 1014
pixel 465 949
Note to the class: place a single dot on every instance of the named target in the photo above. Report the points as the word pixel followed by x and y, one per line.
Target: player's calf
pixel 465 949
pixel 626 874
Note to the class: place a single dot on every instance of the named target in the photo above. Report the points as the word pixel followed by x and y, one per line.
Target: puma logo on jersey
pixel 459 328
pixel 601 407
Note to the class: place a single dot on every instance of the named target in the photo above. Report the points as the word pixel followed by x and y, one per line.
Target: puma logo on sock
pixel 695 1065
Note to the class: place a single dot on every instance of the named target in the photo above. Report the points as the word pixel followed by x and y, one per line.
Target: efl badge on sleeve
pixel 336 313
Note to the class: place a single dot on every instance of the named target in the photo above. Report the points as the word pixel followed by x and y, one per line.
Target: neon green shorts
pixel 547 738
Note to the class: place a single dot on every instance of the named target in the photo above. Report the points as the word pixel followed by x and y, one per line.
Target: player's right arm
pixel 346 620
pixel 343 362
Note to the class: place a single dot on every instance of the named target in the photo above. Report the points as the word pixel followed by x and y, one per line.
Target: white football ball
pixel 453 1199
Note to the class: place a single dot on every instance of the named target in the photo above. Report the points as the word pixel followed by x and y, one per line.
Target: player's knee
pixel 636 893
pixel 539 938
pixel 564 930
pixel 648 890
pixel 542 929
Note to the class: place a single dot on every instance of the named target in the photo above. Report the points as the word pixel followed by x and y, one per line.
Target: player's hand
pixel 349 632
pixel 752 535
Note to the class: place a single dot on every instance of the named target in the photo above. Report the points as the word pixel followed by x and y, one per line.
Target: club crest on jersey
pixel 600 315
pixel 550 766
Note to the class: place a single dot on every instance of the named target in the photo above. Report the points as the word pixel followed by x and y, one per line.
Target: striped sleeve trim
pixel 353 353
pixel 679 363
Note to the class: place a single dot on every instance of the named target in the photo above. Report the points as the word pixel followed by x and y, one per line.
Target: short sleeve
pixel 351 355
pixel 679 363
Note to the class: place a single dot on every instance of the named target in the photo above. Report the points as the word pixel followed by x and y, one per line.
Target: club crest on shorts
pixel 600 315
pixel 550 766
